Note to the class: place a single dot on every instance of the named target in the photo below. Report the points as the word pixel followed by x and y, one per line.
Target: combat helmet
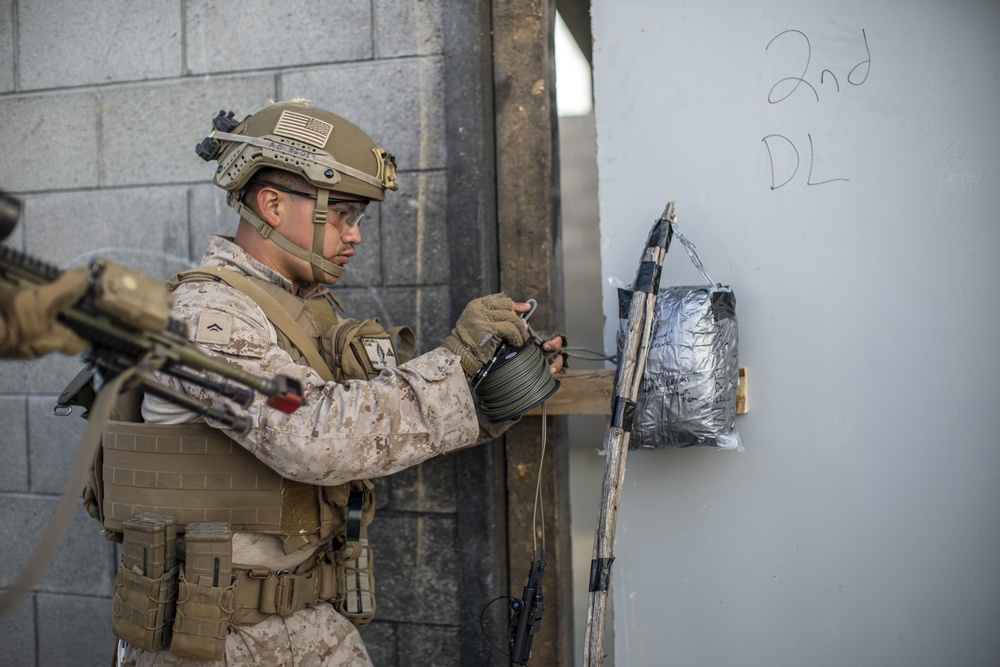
pixel 326 150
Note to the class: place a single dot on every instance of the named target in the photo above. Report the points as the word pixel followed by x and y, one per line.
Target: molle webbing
pixel 196 473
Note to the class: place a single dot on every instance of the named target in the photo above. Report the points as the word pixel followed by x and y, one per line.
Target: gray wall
pixel 860 526
pixel 100 109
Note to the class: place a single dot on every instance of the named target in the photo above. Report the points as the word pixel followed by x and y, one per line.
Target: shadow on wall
pixel 584 325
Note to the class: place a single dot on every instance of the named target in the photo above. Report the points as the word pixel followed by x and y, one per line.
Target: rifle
pixel 125 316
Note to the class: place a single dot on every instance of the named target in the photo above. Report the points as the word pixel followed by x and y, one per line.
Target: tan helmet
pixel 326 150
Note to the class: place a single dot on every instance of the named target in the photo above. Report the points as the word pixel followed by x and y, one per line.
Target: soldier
pixel 28 326
pixel 301 179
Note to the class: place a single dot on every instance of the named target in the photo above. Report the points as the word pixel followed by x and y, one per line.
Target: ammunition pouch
pixel 143 608
pixel 204 614
pixel 356 583
pixel 361 349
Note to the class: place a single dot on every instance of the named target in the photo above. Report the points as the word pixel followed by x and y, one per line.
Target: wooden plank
pixel 529 252
pixel 589 393
pixel 580 393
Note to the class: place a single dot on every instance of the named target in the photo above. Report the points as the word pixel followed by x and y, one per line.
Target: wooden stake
pixel 631 363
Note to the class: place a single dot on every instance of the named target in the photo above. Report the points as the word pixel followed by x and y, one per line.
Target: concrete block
pixel 383 492
pixel 430 645
pixel 114 40
pixel 13 444
pixel 257 34
pixel 416 241
pixel 22 519
pixel 399 103
pixel 82 565
pixel 416 577
pixel 209 214
pixel 150 131
pixel 376 302
pixel 48 375
pixel 89 643
pixel 53 443
pixel 408 28
pixel 380 640
pixel 49 142
pixel 17 630
pixel 7 46
pixel 144 229
pixel 423 309
pixel 428 487
pixel 85 562
pixel 433 324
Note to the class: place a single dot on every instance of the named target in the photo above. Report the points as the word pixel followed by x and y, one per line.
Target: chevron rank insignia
pixel 214 328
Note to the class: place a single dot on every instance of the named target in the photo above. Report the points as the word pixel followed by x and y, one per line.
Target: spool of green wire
pixel 514 381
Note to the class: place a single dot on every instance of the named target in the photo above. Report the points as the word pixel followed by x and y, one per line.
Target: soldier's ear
pixel 269 203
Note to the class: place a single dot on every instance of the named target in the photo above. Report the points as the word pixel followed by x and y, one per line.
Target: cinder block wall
pixel 100 109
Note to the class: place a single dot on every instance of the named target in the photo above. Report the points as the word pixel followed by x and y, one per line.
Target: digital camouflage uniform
pixel 342 432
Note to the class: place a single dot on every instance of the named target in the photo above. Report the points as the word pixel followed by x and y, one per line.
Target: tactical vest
pixel 197 474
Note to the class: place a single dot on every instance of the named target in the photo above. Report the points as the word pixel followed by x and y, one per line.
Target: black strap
pixel 600 574
pixel 355 509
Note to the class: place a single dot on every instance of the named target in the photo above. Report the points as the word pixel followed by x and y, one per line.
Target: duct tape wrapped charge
pixel 687 396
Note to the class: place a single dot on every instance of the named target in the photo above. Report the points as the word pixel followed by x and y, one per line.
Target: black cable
pixel 588 355
pixel 482 624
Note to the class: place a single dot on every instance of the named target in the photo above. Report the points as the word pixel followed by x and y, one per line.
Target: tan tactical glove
pixel 29 328
pixel 480 328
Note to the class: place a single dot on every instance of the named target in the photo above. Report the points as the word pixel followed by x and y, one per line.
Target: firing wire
pixel 513 382
pixel 588 355
pixel 539 503
pixel 518 381
pixel 539 507
pixel 482 623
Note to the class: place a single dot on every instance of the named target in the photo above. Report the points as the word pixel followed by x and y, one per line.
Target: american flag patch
pixel 304 128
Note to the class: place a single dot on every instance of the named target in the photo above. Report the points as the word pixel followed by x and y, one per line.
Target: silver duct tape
pixel 688 392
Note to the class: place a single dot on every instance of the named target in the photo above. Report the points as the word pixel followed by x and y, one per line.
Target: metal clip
pixel 524 318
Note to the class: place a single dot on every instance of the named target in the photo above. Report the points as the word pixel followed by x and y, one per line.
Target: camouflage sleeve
pixel 342 432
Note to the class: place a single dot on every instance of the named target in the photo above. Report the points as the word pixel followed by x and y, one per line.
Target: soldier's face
pixel 339 237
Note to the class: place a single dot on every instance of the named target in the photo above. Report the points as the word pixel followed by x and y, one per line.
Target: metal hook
pixel 534 306
pixel 524 318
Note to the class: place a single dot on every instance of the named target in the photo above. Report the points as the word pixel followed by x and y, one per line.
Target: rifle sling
pixel 274 312
pixel 59 523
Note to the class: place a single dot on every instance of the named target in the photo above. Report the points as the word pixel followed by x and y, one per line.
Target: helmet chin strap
pixel 319 264
pixel 319 231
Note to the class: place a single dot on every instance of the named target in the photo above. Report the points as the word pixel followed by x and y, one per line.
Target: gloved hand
pixel 553 347
pixel 29 328
pixel 482 325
